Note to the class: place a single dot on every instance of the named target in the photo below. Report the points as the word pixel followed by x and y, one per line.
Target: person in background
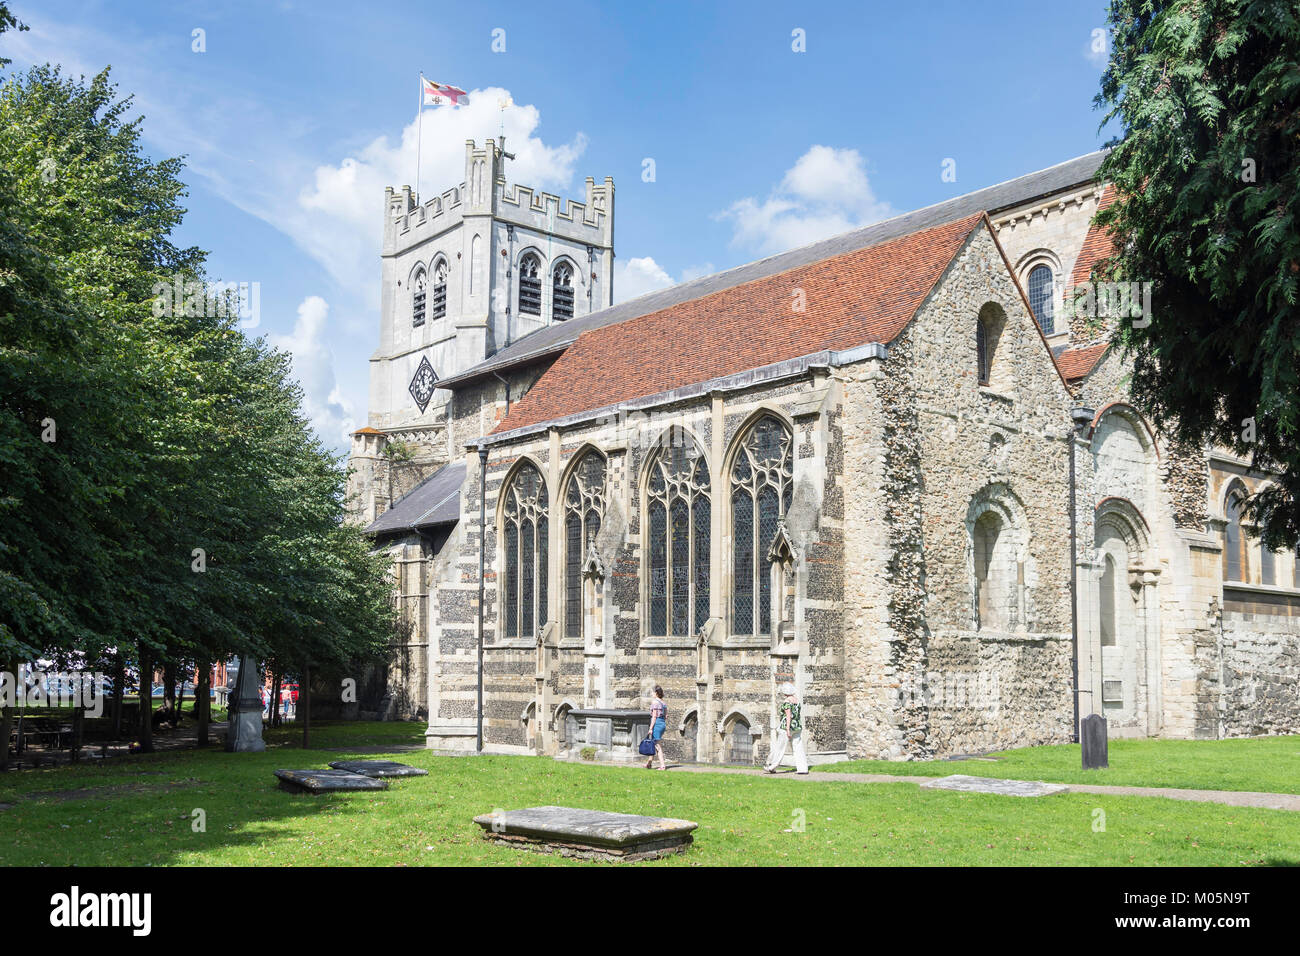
pixel 789 727
pixel 658 724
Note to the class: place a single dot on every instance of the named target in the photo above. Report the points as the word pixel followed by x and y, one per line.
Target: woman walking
pixel 658 724
pixel 789 728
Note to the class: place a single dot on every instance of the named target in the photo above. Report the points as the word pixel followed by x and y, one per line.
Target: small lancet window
pixel 562 292
pixel 440 290
pixel 418 292
pixel 530 286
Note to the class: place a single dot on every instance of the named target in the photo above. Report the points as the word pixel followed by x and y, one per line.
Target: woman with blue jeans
pixel 658 724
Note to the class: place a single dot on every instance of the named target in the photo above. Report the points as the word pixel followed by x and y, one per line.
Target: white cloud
pixel 826 192
pixel 634 277
pixel 313 365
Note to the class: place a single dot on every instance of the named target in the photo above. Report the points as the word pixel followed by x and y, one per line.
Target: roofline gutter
pixel 764 375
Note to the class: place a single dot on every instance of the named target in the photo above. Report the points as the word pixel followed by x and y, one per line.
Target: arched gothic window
pixel 418 290
pixel 1267 560
pixel 562 292
pixel 584 507
pixel 678 513
pixel 525 534
pixel 761 487
pixel 440 289
pixel 530 286
pixel 1041 288
pixel 1234 541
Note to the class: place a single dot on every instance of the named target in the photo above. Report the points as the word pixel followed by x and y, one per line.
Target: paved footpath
pixel 1232 798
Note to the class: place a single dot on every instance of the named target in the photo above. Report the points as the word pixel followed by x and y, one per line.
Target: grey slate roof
pixel 434 501
pixel 992 199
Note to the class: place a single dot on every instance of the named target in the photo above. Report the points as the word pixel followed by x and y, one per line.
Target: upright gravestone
pixel 1092 737
pixel 244 730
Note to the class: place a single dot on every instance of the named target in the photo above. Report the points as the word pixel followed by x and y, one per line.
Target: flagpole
pixel 419 135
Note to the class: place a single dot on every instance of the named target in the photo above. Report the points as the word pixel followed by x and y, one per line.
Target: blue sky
pixel 296 115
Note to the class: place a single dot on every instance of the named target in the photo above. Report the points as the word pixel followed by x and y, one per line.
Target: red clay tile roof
pixel 1097 245
pixel 367 430
pixel 864 295
pixel 1078 363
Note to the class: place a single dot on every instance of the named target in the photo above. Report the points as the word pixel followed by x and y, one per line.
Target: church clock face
pixel 423 383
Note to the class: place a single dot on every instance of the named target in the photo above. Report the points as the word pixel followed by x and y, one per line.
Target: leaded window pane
pixel 681 563
pixel 702 531
pixel 767 520
pixel 526 571
pixel 543 606
pixel 573 575
pixel 512 579
pixel 1040 297
pixel 658 569
pixel 981 352
pixel 742 510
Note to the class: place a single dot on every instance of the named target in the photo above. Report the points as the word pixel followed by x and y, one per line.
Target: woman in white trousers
pixel 789 727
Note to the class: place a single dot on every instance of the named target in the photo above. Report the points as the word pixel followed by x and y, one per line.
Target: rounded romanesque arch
pixel 997 559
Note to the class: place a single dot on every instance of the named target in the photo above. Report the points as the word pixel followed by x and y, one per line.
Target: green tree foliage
pixel 160 487
pixel 1207 173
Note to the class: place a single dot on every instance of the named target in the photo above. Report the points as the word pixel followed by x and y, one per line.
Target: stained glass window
pixel 440 289
pixel 678 536
pixel 761 491
pixel 530 286
pixel 562 292
pixel 1041 288
pixel 584 503
pixel 525 530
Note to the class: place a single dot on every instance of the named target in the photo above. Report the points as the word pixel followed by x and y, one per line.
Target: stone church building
pixel 847 466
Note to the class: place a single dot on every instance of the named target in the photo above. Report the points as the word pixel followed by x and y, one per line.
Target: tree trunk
pixel 119 692
pixel 275 699
pixel 146 699
pixel 169 687
pixel 179 696
pixel 203 699
pixel 305 696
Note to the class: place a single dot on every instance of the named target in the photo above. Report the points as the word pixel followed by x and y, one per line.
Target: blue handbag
pixel 646 747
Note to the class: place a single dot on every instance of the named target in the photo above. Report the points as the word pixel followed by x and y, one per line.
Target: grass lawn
pixel 138 811
pixel 1268 764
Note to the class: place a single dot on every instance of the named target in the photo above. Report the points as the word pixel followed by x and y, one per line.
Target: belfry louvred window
pixel 562 292
pixel 678 514
pixel 525 534
pixel 530 286
pixel 418 291
pixel 762 483
pixel 584 508
pixel 440 290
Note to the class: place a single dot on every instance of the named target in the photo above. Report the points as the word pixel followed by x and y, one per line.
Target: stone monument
pixel 244 730
pixel 1092 738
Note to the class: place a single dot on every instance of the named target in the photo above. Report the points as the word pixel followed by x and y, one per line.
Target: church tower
pixel 464 274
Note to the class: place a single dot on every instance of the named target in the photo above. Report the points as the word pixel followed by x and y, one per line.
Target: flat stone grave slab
pixel 326 781
pixel 1008 788
pixel 378 768
pixel 588 834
